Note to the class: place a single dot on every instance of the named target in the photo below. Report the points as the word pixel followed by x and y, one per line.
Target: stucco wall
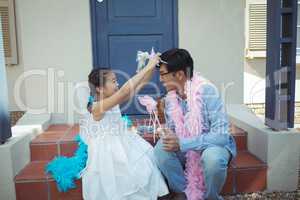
pixel 214 33
pixel 55 35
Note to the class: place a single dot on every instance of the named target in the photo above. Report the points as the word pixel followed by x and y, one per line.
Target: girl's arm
pixel 128 89
pixel 141 84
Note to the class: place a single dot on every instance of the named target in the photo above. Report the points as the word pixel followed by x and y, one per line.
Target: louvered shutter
pixel 256 28
pixel 8 28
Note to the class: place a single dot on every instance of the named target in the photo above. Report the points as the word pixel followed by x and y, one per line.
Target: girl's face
pixel 111 85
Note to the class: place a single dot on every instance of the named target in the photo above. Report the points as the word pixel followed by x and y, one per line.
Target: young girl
pixel 120 163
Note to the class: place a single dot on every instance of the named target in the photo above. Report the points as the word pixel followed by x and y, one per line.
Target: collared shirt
pixel 215 130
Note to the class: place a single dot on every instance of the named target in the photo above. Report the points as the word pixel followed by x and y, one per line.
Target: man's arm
pixel 218 133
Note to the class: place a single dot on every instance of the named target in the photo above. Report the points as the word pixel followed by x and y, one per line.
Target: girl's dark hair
pixel 179 59
pixel 96 78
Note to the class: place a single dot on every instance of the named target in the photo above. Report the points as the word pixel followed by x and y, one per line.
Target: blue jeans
pixel 214 161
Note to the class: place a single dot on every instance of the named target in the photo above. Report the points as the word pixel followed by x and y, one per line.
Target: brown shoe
pixel 178 196
pixel 166 197
pixel 173 196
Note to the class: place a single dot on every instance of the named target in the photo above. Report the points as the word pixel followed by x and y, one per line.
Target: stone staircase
pixel 246 173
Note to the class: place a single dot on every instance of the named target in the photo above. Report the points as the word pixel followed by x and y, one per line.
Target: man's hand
pixel 170 141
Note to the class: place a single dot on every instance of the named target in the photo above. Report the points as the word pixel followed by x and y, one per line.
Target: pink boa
pixel 188 126
pixel 151 107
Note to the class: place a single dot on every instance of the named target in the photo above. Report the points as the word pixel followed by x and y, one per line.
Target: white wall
pixel 254 81
pixel 51 34
pixel 213 30
pixel 56 34
pixel 13 72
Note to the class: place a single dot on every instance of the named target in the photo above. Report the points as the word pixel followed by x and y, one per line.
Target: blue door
pixel 122 27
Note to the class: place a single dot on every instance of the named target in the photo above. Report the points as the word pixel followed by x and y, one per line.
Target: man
pixel 215 145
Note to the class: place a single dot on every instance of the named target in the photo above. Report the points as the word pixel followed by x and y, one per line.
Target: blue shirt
pixel 215 123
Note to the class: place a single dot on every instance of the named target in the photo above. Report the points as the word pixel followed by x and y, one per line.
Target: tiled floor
pixel 245 174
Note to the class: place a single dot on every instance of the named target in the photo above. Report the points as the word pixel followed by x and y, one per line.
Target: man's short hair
pixel 177 60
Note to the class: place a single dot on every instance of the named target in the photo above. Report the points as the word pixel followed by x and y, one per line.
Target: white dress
pixel 120 163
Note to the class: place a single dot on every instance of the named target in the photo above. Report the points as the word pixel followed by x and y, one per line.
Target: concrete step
pixel 245 174
pixel 56 140
pixel 59 140
pixel 33 183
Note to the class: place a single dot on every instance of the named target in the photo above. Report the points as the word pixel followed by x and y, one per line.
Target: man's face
pixel 168 79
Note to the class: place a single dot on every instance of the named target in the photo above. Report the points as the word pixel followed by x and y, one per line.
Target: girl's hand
pixel 154 61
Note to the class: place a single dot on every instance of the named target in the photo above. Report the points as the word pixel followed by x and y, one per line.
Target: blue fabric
pixel 171 165
pixel 215 164
pixel 214 161
pixel 215 123
pixel 65 170
pixel 91 99
pixel 127 120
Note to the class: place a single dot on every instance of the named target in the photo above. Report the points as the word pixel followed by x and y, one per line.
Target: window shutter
pixel 5 28
pixel 8 31
pixel 256 28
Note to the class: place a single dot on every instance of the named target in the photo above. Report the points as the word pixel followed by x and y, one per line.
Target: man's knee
pixel 213 163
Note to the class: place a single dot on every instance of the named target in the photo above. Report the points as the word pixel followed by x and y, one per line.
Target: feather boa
pixel 190 125
pixel 65 170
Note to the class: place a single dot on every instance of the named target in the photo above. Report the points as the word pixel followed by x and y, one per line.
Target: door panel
pixel 120 28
